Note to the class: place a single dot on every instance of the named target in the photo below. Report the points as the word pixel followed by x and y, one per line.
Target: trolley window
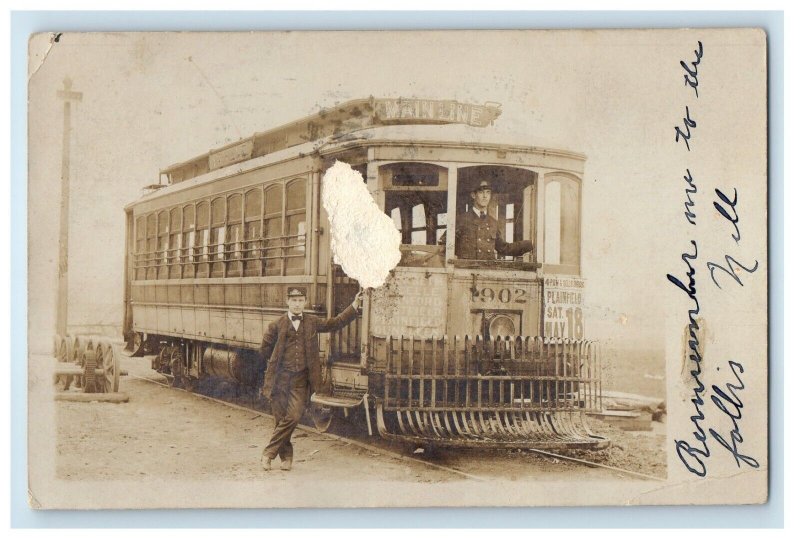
pixel 511 205
pixel 416 200
pixel 295 246
pixel 273 230
pixel 284 243
pixel 188 241
pixel 152 250
pixel 140 259
pixel 562 225
pixel 233 244
pixel 163 239
pixel 201 239
pixel 217 237
pixel 252 232
pixel 173 254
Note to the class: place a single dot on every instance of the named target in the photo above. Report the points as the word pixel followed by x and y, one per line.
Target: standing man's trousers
pixel 289 399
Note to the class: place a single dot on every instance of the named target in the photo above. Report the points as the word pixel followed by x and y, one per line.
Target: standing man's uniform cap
pixel 296 292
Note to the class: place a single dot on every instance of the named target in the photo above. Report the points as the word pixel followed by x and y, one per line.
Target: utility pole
pixel 63 239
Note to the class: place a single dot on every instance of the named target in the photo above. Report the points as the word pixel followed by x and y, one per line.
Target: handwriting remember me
pixel 694 451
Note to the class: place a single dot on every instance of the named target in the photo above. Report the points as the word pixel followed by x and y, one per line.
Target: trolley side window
pixel 562 225
pixel 416 200
pixel 284 245
pixel 140 259
pixel 173 254
pixel 233 243
pixel 201 240
pixel 163 239
pixel 252 232
pixel 295 245
pixel 273 230
pixel 217 238
pixel 152 251
pixel 187 242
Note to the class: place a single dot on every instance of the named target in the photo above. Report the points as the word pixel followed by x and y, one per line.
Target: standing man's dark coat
pixel 274 341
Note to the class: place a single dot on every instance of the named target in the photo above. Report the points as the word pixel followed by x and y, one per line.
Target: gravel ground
pixel 636 451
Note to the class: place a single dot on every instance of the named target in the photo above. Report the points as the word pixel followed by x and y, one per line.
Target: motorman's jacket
pixel 479 238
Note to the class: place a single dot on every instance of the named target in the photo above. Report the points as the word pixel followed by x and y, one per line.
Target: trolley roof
pixel 341 120
pixel 365 122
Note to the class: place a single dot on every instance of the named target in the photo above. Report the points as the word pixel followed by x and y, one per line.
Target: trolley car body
pixel 449 351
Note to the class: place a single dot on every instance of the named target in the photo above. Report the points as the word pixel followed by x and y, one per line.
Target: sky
pixel 151 100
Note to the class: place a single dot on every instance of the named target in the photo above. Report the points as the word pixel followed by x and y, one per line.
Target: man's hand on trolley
pixel 358 298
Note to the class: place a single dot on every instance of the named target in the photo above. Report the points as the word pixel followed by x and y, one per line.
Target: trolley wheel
pixel 137 343
pixel 176 367
pixel 160 361
pixel 189 383
pixel 108 360
pixel 89 365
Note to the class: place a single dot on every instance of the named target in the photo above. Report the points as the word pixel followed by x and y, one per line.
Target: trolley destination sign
pixel 435 111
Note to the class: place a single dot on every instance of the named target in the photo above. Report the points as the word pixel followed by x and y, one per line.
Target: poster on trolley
pixel 397 269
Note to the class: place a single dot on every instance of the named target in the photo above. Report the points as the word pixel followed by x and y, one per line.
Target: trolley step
pixel 336 402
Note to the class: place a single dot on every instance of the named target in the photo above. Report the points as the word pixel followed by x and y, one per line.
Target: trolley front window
pixel 416 200
pixel 510 215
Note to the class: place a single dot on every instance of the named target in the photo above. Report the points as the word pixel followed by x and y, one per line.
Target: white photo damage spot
pixel 364 240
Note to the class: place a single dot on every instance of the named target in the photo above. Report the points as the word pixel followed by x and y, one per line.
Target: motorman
pixel 478 234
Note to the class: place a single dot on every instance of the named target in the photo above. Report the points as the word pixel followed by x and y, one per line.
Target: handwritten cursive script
pixel 691 79
pixel 692 453
pixel 729 402
pixel 695 450
pixel 728 210
pixel 691 456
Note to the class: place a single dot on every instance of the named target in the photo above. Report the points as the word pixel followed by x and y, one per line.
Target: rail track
pixel 376 446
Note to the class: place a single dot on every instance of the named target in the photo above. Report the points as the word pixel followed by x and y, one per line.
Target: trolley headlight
pixel 502 326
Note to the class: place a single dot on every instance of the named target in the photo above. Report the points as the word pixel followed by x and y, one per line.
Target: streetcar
pixel 450 351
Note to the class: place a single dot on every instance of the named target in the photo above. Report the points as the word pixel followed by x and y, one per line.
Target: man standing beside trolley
pixel 293 373
pixel 477 233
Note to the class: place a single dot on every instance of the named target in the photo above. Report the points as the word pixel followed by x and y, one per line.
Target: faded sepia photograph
pixel 397 269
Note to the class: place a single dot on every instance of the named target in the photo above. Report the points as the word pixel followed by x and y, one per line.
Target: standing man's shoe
pixel 266 462
pixel 286 464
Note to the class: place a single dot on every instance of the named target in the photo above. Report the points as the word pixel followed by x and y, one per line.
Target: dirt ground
pixel 170 433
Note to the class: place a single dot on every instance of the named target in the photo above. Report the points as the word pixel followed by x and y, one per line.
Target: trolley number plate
pixel 504 295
